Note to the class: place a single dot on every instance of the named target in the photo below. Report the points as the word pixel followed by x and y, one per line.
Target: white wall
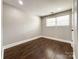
pixel 18 25
pixel 61 32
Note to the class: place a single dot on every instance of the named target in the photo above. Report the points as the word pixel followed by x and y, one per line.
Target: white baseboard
pixel 61 40
pixel 20 42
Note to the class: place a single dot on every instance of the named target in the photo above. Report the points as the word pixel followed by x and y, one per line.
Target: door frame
pixel 75 28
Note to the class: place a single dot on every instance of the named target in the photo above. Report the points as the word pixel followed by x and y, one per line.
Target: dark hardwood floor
pixel 41 48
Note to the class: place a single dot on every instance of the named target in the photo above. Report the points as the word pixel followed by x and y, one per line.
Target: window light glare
pixel 59 9
pixel 20 2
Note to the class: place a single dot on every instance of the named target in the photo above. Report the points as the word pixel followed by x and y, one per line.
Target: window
pixel 63 20
pixel 51 22
pixel 58 21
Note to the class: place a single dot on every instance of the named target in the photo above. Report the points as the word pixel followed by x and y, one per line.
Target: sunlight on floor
pixel 51 54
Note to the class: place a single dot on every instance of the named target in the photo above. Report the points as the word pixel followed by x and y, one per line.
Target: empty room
pixel 39 29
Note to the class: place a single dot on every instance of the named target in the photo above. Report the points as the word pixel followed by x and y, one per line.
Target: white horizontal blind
pixel 51 22
pixel 63 20
pixel 58 21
